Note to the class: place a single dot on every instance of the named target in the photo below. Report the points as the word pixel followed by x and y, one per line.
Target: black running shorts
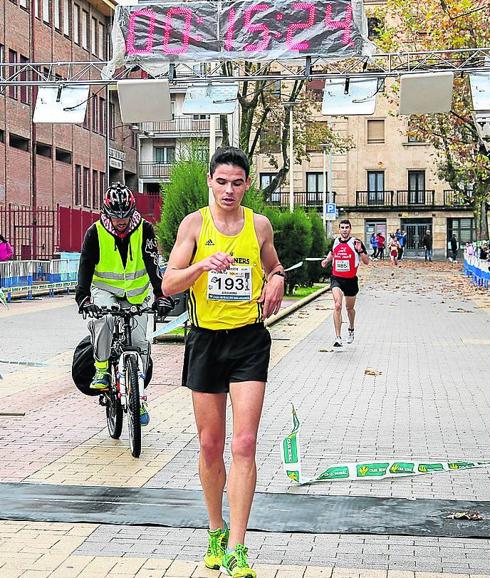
pixel 348 286
pixel 215 358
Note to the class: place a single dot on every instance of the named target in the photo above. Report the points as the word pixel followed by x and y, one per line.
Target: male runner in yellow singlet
pixel 225 254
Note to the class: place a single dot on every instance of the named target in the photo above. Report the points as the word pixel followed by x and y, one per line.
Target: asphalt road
pixel 36 331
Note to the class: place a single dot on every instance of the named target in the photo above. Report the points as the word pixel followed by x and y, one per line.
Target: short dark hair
pixel 229 156
pixel 345 222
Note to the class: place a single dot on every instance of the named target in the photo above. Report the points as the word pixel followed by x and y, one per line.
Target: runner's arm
pixel 328 259
pixel 361 250
pixel 273 291
pixel 180 274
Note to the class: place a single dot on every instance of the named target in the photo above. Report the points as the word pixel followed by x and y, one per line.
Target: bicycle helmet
pixel 119 202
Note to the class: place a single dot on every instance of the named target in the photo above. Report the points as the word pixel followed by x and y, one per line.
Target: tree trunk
pixel 480 214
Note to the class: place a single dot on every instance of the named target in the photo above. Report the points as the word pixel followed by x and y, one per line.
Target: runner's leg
pixel 210 414
pixel 350 303
pixel 247 399
pixel 337 294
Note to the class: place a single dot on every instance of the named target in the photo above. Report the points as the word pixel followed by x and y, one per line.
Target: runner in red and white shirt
pixel 346 254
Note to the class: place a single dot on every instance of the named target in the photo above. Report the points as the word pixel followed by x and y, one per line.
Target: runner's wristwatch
pixel 280 273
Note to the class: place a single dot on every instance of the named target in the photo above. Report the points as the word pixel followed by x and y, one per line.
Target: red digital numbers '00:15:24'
pixel 252 30
pixel 258 19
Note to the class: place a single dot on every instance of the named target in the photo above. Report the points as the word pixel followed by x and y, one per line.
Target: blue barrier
pixel 478 270
pixel 28 276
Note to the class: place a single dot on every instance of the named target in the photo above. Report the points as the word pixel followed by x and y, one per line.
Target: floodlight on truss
pixel 426 93
pixel 480 90
pixel 347 97
pixel 482 124
pixel 61 104
pixel 213 98
pixel 144 100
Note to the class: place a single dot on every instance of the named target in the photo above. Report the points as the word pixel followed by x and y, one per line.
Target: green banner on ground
pixel 291 457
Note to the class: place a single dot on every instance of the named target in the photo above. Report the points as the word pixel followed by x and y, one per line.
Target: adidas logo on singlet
pixel 209 243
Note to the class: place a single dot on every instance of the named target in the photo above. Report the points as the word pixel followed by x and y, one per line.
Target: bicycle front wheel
pixel 114 411
pixel 134 424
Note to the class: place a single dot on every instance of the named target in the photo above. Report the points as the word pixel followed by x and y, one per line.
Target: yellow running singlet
pixel 228 300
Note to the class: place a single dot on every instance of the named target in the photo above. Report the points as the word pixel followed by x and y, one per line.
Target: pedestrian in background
pixel 454 248
pixel 374 245
pixel 393 248
pixel 427 245
pixel 402 241
pixel 6 250
pixel 380 241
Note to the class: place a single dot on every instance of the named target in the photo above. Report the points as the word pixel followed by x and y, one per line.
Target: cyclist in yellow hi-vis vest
pixel 225 255
pixel 118 263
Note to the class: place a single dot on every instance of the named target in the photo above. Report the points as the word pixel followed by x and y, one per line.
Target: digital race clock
pixel 171 31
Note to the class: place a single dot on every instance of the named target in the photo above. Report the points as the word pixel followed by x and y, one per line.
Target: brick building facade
pixel 43 165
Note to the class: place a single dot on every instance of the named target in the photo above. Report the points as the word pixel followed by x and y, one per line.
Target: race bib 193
pixel 234 284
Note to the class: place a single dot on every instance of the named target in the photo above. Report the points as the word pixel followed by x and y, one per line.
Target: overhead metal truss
pixel 380 66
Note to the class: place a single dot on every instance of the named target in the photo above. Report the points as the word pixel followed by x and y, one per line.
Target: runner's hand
pixel 218 262
pixel 272 295
pixel 358 246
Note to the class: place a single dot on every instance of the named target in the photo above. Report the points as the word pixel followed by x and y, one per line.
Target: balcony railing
pixel 180 125
pixel 374 198
pixel 455 199
pixel 420 198
pixel 155 170
pixel 305 199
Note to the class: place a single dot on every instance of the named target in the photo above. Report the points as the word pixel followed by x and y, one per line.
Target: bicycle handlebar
pixel 124 312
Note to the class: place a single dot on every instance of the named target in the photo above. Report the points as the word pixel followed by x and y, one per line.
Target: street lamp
pixel 290 105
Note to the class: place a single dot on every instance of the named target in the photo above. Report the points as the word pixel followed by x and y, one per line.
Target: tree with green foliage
pixel 186 192
pixel 266 121
pixel 462 160
pixel 318 248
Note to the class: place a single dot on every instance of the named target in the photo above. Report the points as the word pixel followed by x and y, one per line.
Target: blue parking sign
pixel 331 208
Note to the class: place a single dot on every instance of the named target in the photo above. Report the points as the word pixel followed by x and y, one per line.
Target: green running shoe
pixel 101 380
pixel 235 563
pixel 218 541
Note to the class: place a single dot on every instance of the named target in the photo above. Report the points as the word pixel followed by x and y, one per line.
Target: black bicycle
pixel 127 376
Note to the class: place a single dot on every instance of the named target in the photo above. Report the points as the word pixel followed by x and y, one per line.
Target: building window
pixel 25 91
pixel 57 14
pixel 265 180
pixel 95 118
pixel 101 42
pixel 36 8
pixel 66 17
pixel 76 24
pixel 93 32
pixel 416 187
pixel 95 192
pixel 112 121
pixel 374 26
pixel 270 139
pixel 46 11
pixel 44 150
pixel 463 228
pixel 376 187
pixel 164 155
pixel 314 182
pixel 86 119
pixel 375 131
pixel 102 116
pixel 85 184
pixel 412 136
pixel 18 142
pixel 134 139
pixel 78 184
pixel 63 156
pixel 85 29
pixel 101 188
pixel 13 90
pixel 24 4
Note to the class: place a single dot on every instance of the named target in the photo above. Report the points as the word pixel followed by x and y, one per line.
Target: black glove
pixel 88 309
pixel 163 306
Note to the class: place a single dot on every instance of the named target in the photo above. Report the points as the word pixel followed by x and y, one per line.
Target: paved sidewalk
pixel 424 328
